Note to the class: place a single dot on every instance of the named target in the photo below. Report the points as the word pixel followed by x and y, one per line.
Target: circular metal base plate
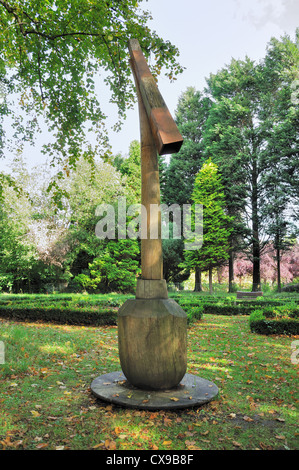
pixel 192 391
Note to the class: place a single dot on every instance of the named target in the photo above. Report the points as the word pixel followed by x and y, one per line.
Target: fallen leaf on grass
pixel 265 446
pixel 174 399
pixel 110 445
pixel 42 445
pixel 7 442
pixel 167 443
pixel 99 445
pixel 237 444
pixel 35 413
pixel 189 443
pixel 246 418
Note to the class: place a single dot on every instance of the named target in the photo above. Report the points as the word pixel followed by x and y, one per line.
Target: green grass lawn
pixel 46 402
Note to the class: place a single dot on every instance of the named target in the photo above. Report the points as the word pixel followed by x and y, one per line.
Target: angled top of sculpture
pixel 164 130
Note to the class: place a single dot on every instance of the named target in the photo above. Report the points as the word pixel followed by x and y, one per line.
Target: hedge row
pixel 71 303
pixel 82 316
pixel 282 319
pixel 261 324
pixel 232 308
pixel 71 316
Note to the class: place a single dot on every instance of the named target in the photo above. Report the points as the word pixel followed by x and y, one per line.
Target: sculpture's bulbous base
pixel 152 339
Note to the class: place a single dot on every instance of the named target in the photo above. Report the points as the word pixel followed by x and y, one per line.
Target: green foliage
pixel 282 320
pixel 42 248
pixel 59 314
pixel 114 269
pixel 54 52
pixel 173 256
pixel 130 168
pixel 18 254
pixel 208 191
pixel 252 134
pixel 190 116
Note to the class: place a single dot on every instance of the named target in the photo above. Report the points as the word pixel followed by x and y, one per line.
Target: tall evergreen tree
pixel 217 225
pixel 254 125
pixel 191 113
pixel 179 175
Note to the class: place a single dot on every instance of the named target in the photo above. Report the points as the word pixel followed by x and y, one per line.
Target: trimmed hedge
pixel 63 314
pixel 82 316
pixel 216 309
pixel 193 313
pixel 228 306
pixel 95 311
pixel 281 321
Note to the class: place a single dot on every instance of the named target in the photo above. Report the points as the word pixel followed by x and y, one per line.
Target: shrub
pixel 275 322
pixel 80 316
pixel 227 309
pixel 291 288
pixel 193 313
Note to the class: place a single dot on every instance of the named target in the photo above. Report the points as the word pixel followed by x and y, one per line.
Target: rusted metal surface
pixel 164 130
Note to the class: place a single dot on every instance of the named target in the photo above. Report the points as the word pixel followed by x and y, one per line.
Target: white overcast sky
pixel 208 34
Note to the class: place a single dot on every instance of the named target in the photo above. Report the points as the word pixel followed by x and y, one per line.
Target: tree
pixel 277 212
pixel 208 191
pixel 252 115
pixel 88 186
pixel 52 52
pixel 130 169
pixel 173 256
pixel 191 113
pixel 280 178
pixel 115 269
pixel 179 175
pixel 18 255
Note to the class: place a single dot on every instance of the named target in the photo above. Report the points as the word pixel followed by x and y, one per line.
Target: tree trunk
pixel 210 280
pixel 231 271
pixel 256 276
pixel 278 270
pixel 198 286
